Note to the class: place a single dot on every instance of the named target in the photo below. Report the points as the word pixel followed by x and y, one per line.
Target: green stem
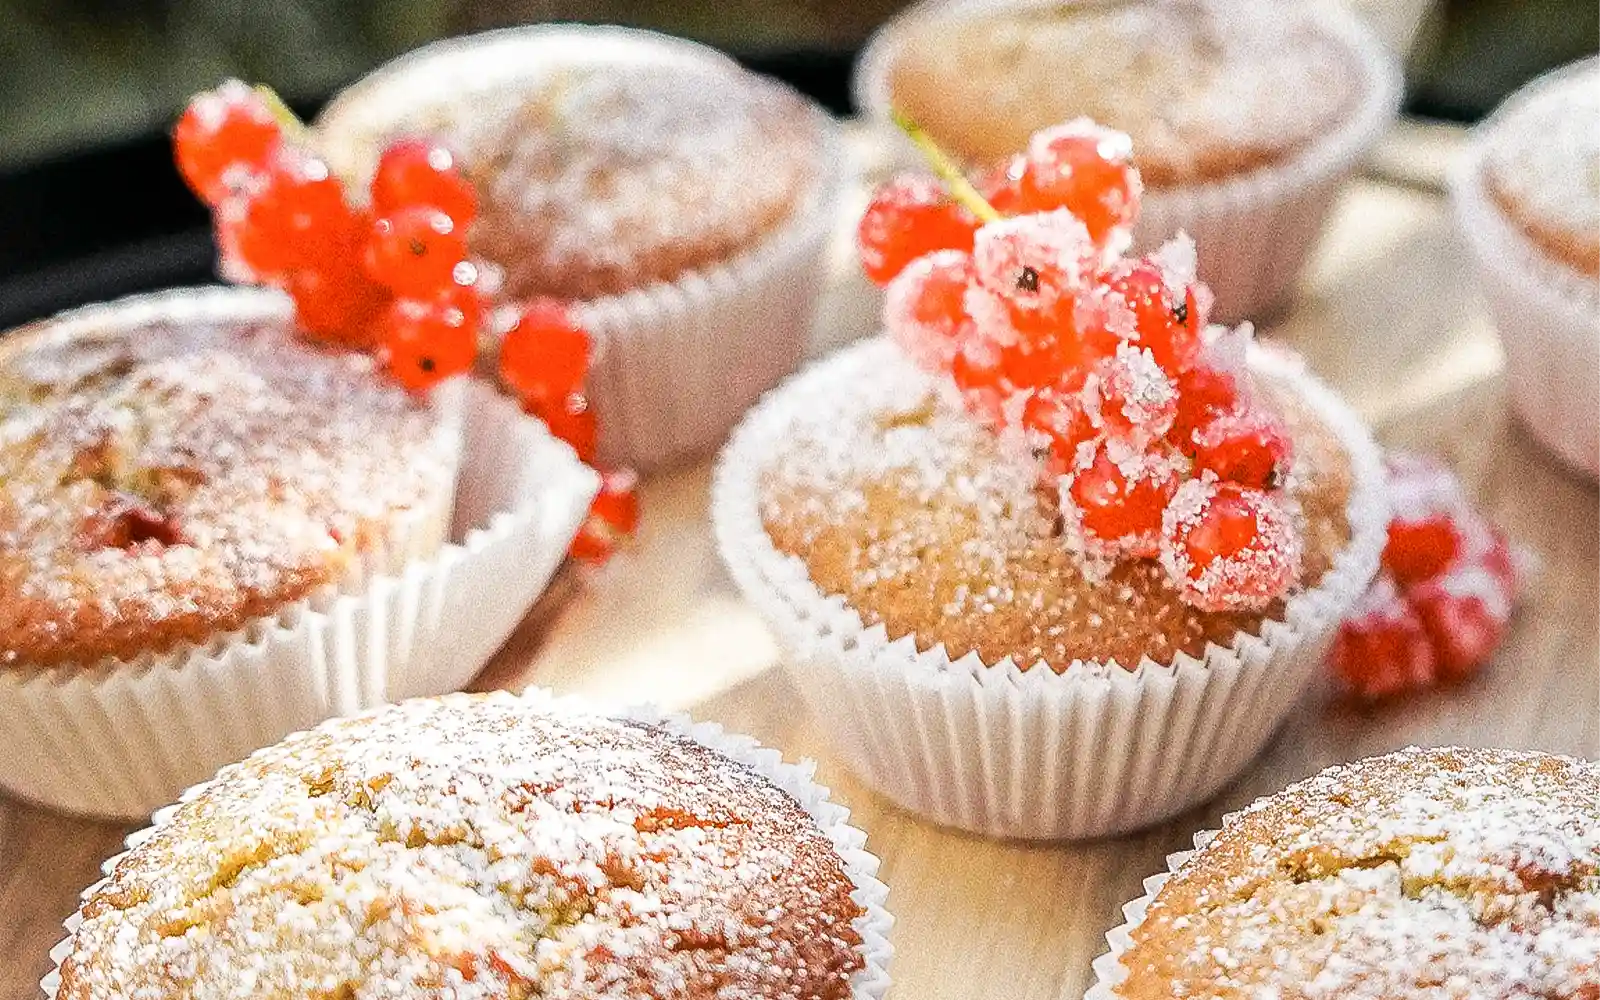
pixel 293 128
pixel 961 189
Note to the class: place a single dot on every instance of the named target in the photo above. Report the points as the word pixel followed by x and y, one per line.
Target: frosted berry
pixel 1227 548
pixel 910 216
pixel 975 370
pixel 923 308
pixel 294 216
pixel 1382 649
pixel 544 358
pixel 426 342
pixel 415 250
pixel 1247 446
pixel 1137 305
pixel 1130 397
pixel 1465 614
pixel 1119 500
pixel 1001 187
pixel 613 518
pixel 571 419
pixel 1203 394
pixel 338 304
pixel 221 137
pixel 420 171
pixel 1420 548
pixel 1037 263
pixel 1058 421
pixel 1087 170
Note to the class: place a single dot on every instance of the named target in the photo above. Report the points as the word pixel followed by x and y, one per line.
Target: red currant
pixel 338 304
pixel 426 341
pixel 1419 549
pixel 908 217
pixel 1246 446
pixel 613 518
pixel 544 358
pixel 1465 616
pixel 1037 263
pixel 1382 649
pixel 923 307
pixel 1001 187
pixel 1203 394
pixel 1087 170
pixel 1060 421
pixel 1121 502
pixel 295 217
pixel 975 370
pixel 419 171
pixel 571 419
pixel 415 250
pixel 223 134
pixel 1131 397
pixel 1227 548
pixel 1137 305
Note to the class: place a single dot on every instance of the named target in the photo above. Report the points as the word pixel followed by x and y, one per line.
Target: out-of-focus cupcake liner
pixel 797 780
pixel 1028 753
pixel 1108 969
pixel 1253 233
pixel 416 614
pixel 675 364
pixel 1547 314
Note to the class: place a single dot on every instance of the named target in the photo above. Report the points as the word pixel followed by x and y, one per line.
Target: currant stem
pixel 961 189
pixel 293 128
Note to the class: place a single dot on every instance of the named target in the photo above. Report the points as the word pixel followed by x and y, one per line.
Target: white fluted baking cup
pixel 1547 314
pixel 871 982
pixel 1254 232
pixel 1029 753
pixel 1108 969
pixel 418 615
pixel 676 363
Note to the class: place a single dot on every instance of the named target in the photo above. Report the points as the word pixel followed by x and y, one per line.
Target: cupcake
pixel 680 202
pixel 201 512
pixel 1052 559
pixel 1247 117
pixel 1527 199
pixel 490 846
pixel 1469 874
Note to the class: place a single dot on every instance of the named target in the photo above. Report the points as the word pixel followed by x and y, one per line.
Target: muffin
pixel 199 511
pixel 680 201
pixel 1424 873
pixel 1527 198
pixel 1246 118
pixel 488 846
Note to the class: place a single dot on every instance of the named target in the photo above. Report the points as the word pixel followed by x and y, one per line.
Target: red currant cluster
pixel 1442 601
pixel 1018 289
pixel 392 276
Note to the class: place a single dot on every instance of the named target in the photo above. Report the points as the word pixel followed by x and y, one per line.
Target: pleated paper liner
pixel 797 780
pixel 1255 232
pixel 1547 314
pixel 418 614
pixel 675 363
pixel 1028 753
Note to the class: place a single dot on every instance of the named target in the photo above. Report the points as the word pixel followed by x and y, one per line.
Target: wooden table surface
pixel 1388 315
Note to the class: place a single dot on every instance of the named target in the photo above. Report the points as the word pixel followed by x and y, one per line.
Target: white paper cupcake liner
pixel 1029 753
pixel 675 363
pixel 870 983
pixel 419 614
pixel 1255 232
pixel 1547 314
pixel 1108 970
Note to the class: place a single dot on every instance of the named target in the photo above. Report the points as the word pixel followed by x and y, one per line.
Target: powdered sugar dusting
pixel 1426 874
pixel 473 848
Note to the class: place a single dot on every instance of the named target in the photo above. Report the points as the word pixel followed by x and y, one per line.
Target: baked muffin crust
pixel 474 847
pixel 1207 89
pixel 1447 874
pixel 164 484
pixel 926 522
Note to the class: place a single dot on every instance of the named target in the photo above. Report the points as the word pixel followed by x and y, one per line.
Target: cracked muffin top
pixel 476 847
pixel 162 482
pixel 1444 874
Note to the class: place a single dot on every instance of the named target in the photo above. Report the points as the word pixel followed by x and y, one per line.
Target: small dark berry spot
pixel 1274 477
pixel 426 364
pixel 1028 281
pixel 417 247
pixel 1180 313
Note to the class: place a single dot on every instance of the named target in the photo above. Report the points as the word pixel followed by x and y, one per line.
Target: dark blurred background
pixel 91 208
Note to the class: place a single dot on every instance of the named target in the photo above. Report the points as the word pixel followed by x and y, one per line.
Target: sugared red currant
pixel 1130 397
pixel 295 217
pixel 1247 446
pixel 1119 499
pixel 1227 548
pixel 1136 304
pixel 1204 393
pixel 975 370
pixel 923 308
pixel 415 250
pixel 338 304
pixel 419 171
pixel 545 357
pixel 1001 187
pixel 1085 169
pixel 1063 428
pixel 908 217
pixel 1420 548
pixel 426 341
pixel 613 517
pixel 1037 263
pixel 1465 615
pixel 222 136
pixel 570 418
pixel 1382 649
